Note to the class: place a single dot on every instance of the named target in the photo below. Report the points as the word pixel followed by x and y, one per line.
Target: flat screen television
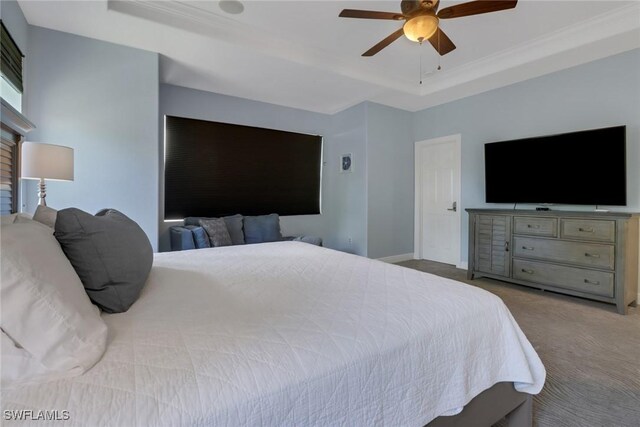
pixel 578 168
pixel 216 169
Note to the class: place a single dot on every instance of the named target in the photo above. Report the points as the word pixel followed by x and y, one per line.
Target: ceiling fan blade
pixel 384 43
pixel 441 42
pixel 476 8
pixel 370 14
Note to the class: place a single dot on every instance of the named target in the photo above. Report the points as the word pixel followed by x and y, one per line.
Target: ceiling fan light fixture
pixel 421 27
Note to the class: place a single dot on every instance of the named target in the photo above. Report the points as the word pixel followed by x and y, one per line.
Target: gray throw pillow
pixel 234 226
pixel 110 253
pixel 263 228
pixel 216 228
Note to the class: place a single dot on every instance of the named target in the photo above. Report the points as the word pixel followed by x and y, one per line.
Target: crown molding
pixel 601 27
pixel 603 35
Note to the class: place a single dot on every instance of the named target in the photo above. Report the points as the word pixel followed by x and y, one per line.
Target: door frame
pixel 417 228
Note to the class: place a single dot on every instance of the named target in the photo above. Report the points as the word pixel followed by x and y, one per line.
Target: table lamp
pixel 46 161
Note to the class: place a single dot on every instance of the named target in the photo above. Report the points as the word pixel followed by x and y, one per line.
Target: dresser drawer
pixel 587 254
pixel 577 279
pixel 588 229
pixel 535 226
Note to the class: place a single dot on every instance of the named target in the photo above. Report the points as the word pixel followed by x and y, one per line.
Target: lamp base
pixel 42 193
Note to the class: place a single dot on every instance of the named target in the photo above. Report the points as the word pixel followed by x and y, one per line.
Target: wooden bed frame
pixel 498 402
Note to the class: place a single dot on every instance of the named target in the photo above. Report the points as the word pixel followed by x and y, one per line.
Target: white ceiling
pixel 300 54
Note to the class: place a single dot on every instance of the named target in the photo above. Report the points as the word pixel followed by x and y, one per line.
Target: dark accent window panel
pixel 11 59
pixel 215 169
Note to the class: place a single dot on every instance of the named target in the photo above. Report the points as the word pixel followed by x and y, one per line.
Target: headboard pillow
pixel 217 231
pixel 233 222
pixel 110 252
pixel 45 310
pixel 263 228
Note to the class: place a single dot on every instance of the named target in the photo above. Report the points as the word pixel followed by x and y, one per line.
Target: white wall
pixel 593 95
pixel 102 100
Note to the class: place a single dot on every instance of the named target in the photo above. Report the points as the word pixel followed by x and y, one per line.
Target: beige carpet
pixel 591 353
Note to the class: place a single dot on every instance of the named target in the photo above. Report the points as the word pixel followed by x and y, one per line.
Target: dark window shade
pixel 11 64
pixel 215 169
pixel 8 171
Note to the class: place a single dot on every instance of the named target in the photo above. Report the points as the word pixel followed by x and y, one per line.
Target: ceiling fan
pixel 422 18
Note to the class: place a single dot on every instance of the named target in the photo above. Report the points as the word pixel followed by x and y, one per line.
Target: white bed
pixel 289 334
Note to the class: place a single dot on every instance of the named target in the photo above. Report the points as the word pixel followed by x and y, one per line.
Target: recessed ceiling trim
pixel 601 27
pixel 228 52
pixel 190 18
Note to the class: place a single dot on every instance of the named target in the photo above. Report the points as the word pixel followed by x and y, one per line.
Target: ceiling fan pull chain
pixel 439 56
pixel 420 65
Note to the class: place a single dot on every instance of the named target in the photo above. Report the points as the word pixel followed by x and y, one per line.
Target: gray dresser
pixel 587 254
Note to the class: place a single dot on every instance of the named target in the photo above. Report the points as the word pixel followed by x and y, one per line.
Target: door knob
pixel 454 207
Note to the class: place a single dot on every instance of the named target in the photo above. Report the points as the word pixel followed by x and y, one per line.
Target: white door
pixel 437 224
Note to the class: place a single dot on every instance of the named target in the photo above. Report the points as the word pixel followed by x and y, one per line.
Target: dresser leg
pixel 622 308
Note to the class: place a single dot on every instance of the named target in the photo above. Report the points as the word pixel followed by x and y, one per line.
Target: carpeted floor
pixel 591 353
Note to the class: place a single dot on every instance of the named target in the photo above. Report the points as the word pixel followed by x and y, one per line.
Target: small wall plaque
pixel 346 163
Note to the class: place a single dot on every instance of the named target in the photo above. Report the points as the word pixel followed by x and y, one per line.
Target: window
pixel 11 70
pixel 12 129
pixel 218 169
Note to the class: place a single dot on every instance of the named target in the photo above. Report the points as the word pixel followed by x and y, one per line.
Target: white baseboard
pixel 397 258
pixel 462 265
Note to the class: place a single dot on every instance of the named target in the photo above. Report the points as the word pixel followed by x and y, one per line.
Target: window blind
pixel 8 171
pixel 11 64
pixel 217 169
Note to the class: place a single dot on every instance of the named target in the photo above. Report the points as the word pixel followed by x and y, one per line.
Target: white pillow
pixel 46 215
pixel 7 219
pixel 19 367
pixel 16 217
pixel 45 309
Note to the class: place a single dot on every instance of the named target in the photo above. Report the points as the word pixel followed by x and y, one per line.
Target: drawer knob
pixel 533 226
pixel 592 255
pixel 524 270
pixel 592 282
pixel 528 248
pixel 586 230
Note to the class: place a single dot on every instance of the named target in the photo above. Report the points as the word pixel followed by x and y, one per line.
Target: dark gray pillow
pixel 216 228
pixel 110 253
pixel 263 228
pixel 234 226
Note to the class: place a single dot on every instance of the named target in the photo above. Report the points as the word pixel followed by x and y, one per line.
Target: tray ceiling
pixel 300 54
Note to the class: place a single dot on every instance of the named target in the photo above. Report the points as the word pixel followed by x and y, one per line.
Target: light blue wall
pixel 102 100
pixel 593 95
pixel 390 182
pixel 346 193
pixel 106 102
pixel 343 198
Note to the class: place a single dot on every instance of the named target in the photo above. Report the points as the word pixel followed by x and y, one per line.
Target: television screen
pixel 579 168
pixel 217 169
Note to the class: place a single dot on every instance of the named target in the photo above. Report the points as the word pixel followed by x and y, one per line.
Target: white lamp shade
pixel 46 161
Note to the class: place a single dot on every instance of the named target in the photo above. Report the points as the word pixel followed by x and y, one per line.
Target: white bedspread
pixel 289 334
